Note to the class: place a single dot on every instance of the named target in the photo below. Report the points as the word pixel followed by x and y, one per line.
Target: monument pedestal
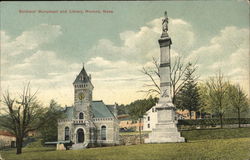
pixel 166 129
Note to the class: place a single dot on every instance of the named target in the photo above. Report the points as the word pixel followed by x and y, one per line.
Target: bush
pixel 35 144
pixel 212 121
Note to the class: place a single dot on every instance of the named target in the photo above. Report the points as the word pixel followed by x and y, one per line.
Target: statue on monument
pixel 165 22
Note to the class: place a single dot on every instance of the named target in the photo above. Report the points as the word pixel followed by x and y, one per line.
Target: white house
pixel 150 119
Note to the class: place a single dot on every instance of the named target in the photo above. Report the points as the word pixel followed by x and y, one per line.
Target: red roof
pixel 6 133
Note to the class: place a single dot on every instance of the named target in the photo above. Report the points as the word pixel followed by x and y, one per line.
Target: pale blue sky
pixel 48 49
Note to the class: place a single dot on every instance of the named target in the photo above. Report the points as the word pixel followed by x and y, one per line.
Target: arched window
pixel 103 133
pixel 66 131
pixel 81 115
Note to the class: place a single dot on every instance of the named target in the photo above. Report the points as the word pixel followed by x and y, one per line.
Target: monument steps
pixel 165 140
pixel 165 134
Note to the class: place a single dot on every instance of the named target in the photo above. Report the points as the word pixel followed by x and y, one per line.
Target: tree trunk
pixel 221 121
pixel 190 114
pixel 19 145
pixel 140 130
pixel 239 117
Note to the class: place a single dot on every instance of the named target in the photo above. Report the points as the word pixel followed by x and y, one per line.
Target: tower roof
pixel 82 77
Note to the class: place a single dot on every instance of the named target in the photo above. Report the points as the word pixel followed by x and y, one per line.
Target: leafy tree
pixel 49 130
pixel 23 114
pixel 188 97
pixel 122 109
pixel 138 108
pixel 203 94
pixel 238 100
pixel 217 96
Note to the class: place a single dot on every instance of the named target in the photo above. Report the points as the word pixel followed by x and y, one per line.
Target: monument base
pixel 166 129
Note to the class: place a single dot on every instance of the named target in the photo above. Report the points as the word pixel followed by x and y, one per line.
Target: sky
pixel 49 49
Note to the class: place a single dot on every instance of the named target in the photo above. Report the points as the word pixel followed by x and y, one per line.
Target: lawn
pixel 226 148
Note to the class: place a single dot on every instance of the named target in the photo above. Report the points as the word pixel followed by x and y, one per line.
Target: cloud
pixel 104 69
pixel 141 45
pixel 229 52
pixel 23 60
pixel 115 66
pixel 30 39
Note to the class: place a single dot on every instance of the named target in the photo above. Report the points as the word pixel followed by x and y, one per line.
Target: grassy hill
pixel 219 144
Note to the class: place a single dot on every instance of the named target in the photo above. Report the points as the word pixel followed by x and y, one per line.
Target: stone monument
pixel 165 129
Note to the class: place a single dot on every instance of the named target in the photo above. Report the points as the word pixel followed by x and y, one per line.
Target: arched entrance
pixel 80 135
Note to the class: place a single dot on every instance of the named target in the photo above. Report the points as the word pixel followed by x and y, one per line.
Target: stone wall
pixel 132 139
pixel 190 127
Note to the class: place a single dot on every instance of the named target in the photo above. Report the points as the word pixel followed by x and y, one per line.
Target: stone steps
pixel 165 130
pixel 165 140
pixel 165 134
pixel 79 146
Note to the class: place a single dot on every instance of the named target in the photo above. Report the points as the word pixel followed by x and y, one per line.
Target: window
pixel 148 125
pixel 148 118
pixel 153 110
pixel 81 115
pixel 103 133
pixel 66 137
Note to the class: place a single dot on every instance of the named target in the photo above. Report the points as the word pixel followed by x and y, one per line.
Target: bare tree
pixel 22 115
pixel 177 78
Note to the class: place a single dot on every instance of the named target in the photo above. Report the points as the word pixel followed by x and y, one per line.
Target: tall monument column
pixel 165 129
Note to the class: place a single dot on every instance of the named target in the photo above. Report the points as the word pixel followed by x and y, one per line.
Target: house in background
pixel 184 114
pixel 150 118
pixel 126 123
pixel 7 139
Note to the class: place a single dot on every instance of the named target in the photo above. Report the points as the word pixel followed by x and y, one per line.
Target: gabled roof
pixel 124 117
pixel 83 74
pixel 99 109
pixel 111 108
pixel 69 112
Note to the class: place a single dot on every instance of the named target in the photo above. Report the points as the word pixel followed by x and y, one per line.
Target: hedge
pixel 213 121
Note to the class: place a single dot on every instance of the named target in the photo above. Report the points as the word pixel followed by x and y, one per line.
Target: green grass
pixel 228 146
pixel 216 133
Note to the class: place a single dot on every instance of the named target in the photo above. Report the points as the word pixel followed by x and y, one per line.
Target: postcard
pixel 125 80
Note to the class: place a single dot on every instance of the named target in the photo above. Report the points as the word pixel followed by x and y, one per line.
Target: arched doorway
pixel 80 135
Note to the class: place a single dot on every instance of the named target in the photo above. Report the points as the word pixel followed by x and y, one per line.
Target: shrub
pixel 212 121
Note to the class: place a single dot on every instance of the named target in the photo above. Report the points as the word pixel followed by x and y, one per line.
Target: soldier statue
pixel 165 23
